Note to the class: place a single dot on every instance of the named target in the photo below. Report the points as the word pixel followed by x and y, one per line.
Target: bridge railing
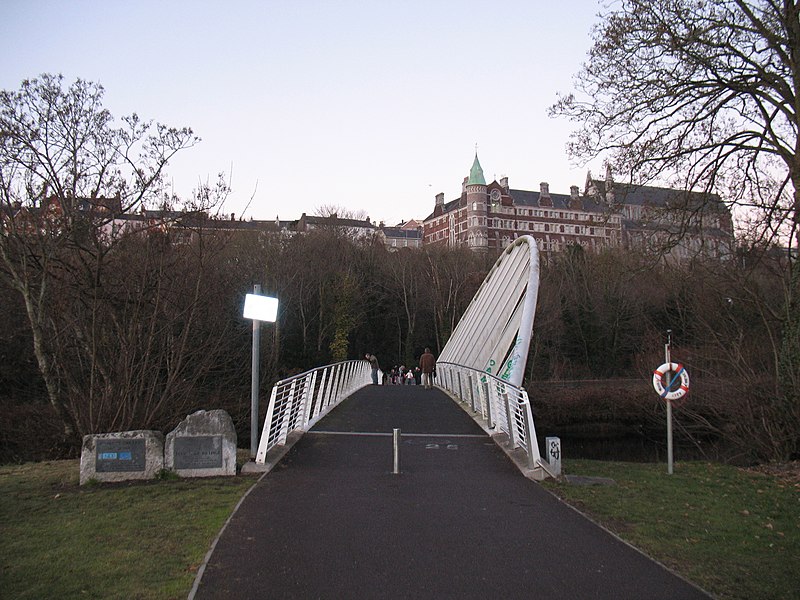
pixel 298 402
pixel 503 407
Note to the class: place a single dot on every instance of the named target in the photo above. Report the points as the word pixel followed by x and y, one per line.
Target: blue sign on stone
pixel 119 455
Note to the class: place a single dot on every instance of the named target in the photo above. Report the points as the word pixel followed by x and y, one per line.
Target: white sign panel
pixel 260 308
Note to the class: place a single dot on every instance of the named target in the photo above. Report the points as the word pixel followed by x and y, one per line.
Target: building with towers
pixel 487 217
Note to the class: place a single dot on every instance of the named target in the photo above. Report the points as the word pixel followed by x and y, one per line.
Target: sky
pixel 371 106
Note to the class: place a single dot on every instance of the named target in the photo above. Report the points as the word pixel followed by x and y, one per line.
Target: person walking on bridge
pixel 373 362
pixel 427 363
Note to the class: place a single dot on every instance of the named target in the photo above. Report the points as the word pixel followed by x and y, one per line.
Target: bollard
pixel 396 444
pixel 553 445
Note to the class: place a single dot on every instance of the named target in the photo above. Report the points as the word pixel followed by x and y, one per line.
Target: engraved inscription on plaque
pixel 118 455
pixel 198 452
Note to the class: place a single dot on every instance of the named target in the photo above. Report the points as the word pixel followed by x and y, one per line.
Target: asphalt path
pixel 331 520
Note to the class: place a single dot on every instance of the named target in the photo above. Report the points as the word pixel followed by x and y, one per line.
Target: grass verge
pixel 734 532
pixel 128 540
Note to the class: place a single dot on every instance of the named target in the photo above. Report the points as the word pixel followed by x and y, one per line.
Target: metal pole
pixel 668 375
pixel 396 445
pixel 254 382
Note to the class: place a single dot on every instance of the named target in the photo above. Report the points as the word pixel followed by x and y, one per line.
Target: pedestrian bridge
pixel 333 519
pixel 481 367
pixel 338 518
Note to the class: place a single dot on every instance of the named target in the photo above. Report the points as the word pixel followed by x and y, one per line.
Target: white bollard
pixel 396 446
pixel 553 449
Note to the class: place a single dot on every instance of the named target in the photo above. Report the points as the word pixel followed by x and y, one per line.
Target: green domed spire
pixel 476 173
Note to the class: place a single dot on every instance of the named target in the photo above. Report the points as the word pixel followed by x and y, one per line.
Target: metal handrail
pixel 298 402
pixel 503 406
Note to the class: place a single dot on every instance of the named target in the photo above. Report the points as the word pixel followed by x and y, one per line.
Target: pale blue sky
pixel 373 106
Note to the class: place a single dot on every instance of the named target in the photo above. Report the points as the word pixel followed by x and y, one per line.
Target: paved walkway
pixel 460 521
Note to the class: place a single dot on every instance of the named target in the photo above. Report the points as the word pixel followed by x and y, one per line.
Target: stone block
pixel 122 456
pixel 202 445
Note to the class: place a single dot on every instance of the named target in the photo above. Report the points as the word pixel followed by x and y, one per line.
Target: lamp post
pixel 258 308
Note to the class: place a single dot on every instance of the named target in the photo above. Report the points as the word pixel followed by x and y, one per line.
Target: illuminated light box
pixel 260 308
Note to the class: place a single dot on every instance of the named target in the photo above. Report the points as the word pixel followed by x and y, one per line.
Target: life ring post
pixel 668 360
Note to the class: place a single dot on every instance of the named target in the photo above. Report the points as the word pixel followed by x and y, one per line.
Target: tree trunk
pixel 45 366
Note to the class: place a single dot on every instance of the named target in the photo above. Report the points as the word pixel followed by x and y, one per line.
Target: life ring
pixel 679 371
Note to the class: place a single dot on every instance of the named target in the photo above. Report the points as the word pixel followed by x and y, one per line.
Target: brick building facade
pixel 487 217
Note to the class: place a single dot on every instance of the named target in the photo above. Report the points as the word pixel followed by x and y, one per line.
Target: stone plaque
pixel 198 452
pixel 118 456
pixel 202 445
pixel 122 456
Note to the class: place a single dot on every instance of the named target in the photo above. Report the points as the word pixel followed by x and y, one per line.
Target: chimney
pixel 464 185
pixel 233 216
pixel 574 198
pixel 544 189
pixel 544 195
pixel 440 199
pixel 504 183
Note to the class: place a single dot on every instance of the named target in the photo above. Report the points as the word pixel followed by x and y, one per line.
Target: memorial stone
pixel 202 445
pixel 122 456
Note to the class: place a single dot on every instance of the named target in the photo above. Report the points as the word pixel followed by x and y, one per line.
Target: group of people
pixel 421 375
pixel 403 376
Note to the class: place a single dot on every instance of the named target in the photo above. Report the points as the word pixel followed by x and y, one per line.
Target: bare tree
pixel 68 171
pixel 454 276
pixel 703 94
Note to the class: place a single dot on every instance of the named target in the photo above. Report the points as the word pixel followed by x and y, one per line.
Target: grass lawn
pixel 734 532
pixel 125 540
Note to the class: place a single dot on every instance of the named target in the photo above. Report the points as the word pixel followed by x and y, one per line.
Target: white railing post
pixel 512 423
pixel 530 432
pixel 310 393
pixel 488 414
pixel 337 392
pixel 265 433
pixel 345 379
pixel 319 392
pixel 287 414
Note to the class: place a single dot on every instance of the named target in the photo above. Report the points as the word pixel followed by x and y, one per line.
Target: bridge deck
pixel 332 521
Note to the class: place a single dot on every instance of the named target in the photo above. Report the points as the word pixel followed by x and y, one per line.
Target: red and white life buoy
pixel 677 371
